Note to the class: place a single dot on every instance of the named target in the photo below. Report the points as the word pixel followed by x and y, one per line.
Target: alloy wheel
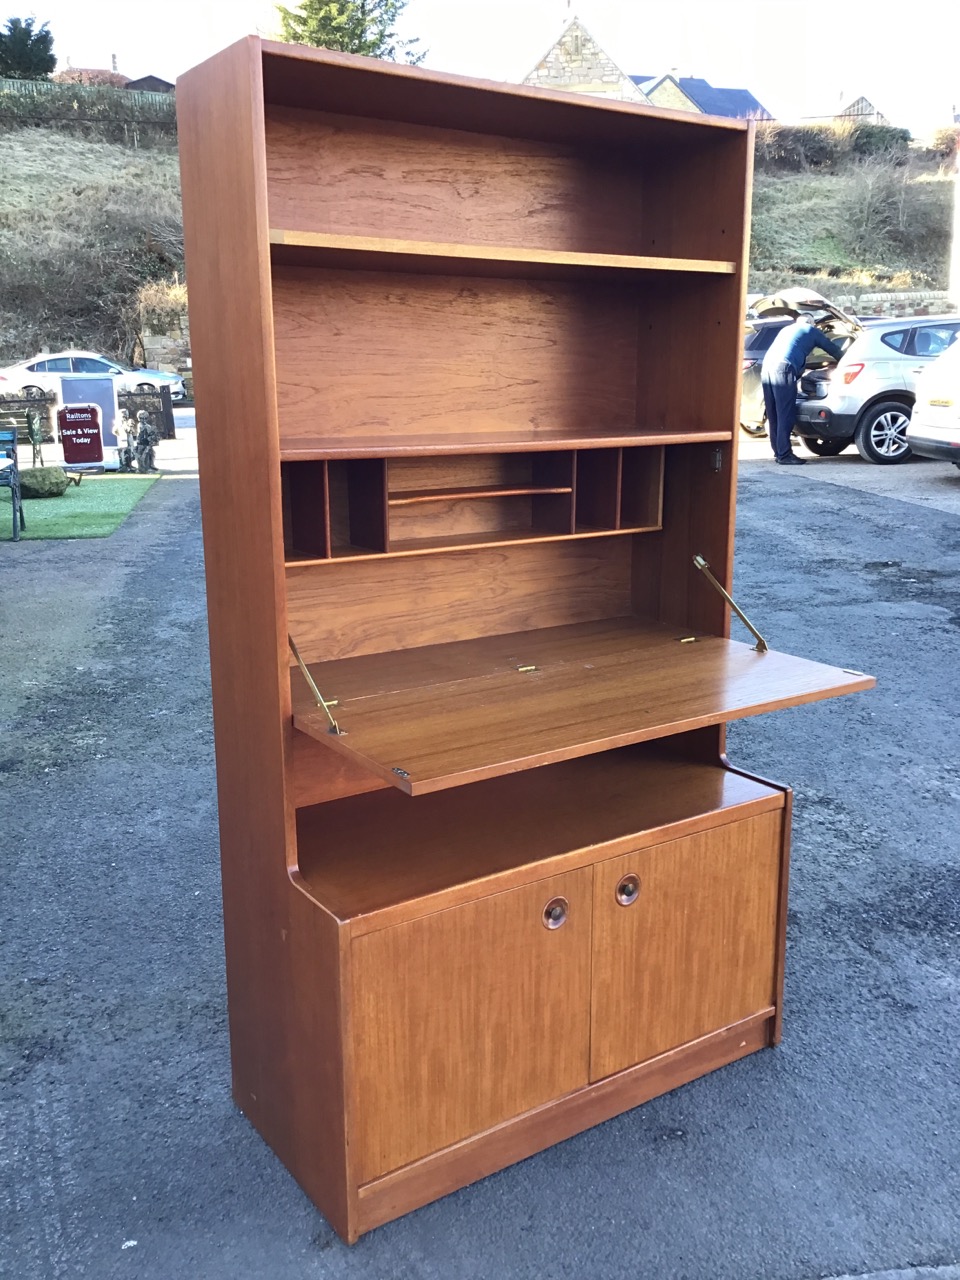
pixel 888 434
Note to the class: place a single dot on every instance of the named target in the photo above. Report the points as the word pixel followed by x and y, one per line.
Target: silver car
pixel 867 398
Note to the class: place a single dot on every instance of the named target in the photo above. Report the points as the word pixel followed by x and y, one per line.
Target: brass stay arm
pixel 318 696
pixel 761 645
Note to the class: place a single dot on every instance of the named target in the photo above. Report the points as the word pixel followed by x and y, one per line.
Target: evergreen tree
pixel 352 26
pixel 26 54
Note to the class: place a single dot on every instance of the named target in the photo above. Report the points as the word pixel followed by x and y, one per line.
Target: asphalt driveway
pixel 121 1154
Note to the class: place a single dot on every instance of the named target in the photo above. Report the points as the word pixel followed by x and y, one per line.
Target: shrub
pixel 879 139
pixel 161 303
pixel 43 482
pixel 945 143
pixel 94 76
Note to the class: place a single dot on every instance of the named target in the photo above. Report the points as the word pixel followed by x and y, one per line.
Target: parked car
pixel 868 398
pixel 40 375
pixel 934 430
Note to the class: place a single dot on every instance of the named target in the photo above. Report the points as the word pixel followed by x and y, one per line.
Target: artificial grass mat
pixel 92 509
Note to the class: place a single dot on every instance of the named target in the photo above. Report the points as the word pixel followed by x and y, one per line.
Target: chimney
pixel 113 61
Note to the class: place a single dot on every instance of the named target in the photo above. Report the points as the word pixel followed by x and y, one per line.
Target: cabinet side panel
pixel 697 380
pixel 226 236
pixel 698 197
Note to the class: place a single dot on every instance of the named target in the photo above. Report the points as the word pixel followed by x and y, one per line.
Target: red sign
pixel 79 429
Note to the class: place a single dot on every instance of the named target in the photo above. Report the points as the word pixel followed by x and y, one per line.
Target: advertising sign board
pixel 78 426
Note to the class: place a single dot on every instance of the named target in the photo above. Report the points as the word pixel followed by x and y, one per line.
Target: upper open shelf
pixel 437 717
pixel 371 253
pixel 496 440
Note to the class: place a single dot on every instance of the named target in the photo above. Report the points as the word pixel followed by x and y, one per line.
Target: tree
pixel 26 54
pixel 352 26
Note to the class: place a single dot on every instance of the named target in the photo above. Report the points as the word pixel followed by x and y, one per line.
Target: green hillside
pixel 850 209
pixel 84 224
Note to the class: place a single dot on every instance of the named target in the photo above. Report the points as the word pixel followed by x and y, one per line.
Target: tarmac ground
pixel 835 1155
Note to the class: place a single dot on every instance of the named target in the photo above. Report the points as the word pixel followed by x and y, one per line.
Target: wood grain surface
pixel 361 353
pixel 375 606
pixel 324 80
pixel 427 257
pixel 494 437
pixel 348 176
pixel 467 1017
pixel 695 952
pixel 482 1154
pixel 592 691
pixel 286 1059
pixel 376 860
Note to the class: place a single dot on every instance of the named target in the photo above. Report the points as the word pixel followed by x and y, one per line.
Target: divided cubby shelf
pixel 349 508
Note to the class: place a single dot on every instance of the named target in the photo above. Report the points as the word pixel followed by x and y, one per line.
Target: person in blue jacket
pixel 781 369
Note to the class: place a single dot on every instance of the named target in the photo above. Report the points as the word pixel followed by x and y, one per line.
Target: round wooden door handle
pixel 555 913
pixel 628 890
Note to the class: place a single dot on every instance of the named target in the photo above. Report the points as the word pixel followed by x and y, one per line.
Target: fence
pixel 142 97
pixel 119 115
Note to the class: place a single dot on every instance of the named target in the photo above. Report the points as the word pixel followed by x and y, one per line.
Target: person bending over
pixel 781 370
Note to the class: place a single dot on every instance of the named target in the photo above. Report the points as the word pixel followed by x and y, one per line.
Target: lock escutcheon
pixel 628 890
pixel 555 913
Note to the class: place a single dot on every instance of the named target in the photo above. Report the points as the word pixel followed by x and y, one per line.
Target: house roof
pixel 154 83
pixel 736 103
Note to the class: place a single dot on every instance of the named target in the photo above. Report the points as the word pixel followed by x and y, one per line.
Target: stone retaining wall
pixel 917 302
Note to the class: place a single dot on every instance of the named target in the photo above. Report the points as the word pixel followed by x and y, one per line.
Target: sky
pixel 798 59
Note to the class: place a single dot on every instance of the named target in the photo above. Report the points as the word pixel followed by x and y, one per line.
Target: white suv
pixel 867 398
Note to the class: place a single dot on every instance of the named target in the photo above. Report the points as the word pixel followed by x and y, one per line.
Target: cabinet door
pixel 467 1017
pixel 692 949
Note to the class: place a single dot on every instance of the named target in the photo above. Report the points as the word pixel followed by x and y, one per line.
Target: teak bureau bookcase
pixel 466 362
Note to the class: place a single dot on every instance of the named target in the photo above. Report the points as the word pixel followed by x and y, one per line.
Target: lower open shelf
pixel 384 853
pixel 445 715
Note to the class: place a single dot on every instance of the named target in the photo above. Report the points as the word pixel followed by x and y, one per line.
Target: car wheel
pixel 33 393
pixel 756 429
pixel 881 433
pixel 145 386
pixel 825 448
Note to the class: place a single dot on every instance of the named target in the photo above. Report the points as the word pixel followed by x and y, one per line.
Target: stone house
pixel 577 63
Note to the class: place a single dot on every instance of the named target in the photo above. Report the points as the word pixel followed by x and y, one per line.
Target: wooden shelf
pixel 307 448
pixel 458 542
pixel 427 719
pixel 372 253
pixel 409 497
pixel 510 824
